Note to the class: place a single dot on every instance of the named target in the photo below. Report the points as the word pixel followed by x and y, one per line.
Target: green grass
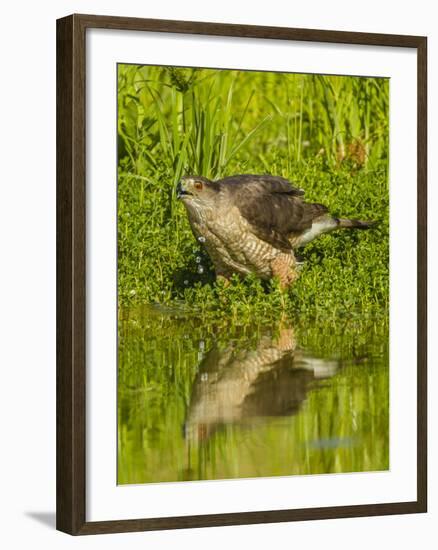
pixel 328 135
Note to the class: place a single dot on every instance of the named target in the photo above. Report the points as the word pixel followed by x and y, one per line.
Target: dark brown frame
pixel 71 269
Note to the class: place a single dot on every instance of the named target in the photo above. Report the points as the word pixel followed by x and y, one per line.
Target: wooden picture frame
pixel 71 273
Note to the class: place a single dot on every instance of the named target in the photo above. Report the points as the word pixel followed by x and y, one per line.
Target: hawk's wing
pixel 267 183
pixel 273 207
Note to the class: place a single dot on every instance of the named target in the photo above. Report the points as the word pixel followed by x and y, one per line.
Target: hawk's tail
pixel 354 224
pixel 326 223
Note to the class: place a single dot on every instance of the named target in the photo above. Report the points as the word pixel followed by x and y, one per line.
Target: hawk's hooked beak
pixel 180 191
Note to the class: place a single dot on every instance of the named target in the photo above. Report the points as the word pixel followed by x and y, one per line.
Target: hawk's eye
pixel 198 185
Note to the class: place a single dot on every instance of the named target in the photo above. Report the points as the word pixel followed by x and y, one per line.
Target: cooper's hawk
pixel 243 385
pixel 253 224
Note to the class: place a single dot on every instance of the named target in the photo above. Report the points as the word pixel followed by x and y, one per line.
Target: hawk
pixel 253 223
pixel 238 385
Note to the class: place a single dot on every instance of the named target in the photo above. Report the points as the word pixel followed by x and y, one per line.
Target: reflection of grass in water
pixel 328 135
pixel 158 363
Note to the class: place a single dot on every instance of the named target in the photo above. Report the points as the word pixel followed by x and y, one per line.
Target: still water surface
pixel 225 400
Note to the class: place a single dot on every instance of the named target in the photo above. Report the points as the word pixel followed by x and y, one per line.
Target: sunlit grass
pixel 329 135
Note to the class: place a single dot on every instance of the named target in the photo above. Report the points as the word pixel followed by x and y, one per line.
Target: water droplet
pixel 201 239
pixel 198 259
pixel 200 269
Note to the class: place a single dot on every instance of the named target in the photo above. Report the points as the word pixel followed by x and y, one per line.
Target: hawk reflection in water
pixel 252 223
pixel 243 385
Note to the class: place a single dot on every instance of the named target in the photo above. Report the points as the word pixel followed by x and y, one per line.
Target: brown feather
pixel 266 183
pixel 273 207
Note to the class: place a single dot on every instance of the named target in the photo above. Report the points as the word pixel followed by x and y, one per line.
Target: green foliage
pixel 327 134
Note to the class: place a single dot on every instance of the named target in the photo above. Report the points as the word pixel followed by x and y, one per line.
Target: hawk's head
pixel 197 191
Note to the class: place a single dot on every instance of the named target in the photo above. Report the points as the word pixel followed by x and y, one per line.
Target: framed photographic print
pixel 241 274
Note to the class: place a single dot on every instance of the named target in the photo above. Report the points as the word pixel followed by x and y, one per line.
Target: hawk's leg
pixel 285 268
pixel 286 340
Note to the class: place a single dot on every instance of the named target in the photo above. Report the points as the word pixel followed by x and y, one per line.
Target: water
pixel 220 401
